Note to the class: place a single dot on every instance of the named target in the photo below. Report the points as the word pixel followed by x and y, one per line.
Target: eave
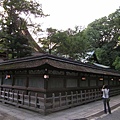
pixel 57 62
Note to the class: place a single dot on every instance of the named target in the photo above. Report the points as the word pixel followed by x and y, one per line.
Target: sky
pixel 66 14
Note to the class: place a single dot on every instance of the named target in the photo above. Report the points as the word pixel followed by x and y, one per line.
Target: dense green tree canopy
pixel 14 22
pixel 103 36
pixel 69 43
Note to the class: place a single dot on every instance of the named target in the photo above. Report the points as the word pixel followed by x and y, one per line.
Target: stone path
pixel 90 111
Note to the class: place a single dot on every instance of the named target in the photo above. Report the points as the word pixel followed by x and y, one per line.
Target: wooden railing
pixel 46 105
pixel 22 100
pixel 59 102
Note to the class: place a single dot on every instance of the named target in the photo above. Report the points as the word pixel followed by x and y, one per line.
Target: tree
pixel 103 36
pixel 14 26
pixel 75 45
pixel 48 43
pixel 117 63
pixel 69 43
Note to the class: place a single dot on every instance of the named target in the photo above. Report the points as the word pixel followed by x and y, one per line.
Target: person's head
pixel 105 86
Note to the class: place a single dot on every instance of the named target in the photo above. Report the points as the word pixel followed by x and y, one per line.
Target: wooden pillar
pixel 46 79
pixel 97 80
pixel 46 83
pixel 103 79
pixel 78 80
pixel 27 81
pixel 65 81
pixel 88 78
pixel 13 78
pixel 1 80
pixel 109 80
pixel 3 77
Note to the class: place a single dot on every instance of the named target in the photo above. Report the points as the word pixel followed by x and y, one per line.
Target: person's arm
pixel 103 87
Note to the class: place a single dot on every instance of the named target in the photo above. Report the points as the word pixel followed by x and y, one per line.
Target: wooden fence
pixel 46 105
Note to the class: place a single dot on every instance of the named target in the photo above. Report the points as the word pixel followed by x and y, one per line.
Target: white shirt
pixel 105 93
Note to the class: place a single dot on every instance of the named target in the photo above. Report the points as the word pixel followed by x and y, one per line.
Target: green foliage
pixel 13 39
pixel 116 63
pixel 95 32
pixel 18 46
pixel 69 43
pixel 103 35
pixel 49 43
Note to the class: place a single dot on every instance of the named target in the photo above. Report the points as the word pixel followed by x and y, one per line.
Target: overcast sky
pixel 69 13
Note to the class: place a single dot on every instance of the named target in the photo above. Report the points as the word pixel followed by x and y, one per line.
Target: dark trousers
pixel 106 105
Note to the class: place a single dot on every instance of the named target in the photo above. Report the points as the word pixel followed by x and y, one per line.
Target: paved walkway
pixel 114 116
pixel 90 111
